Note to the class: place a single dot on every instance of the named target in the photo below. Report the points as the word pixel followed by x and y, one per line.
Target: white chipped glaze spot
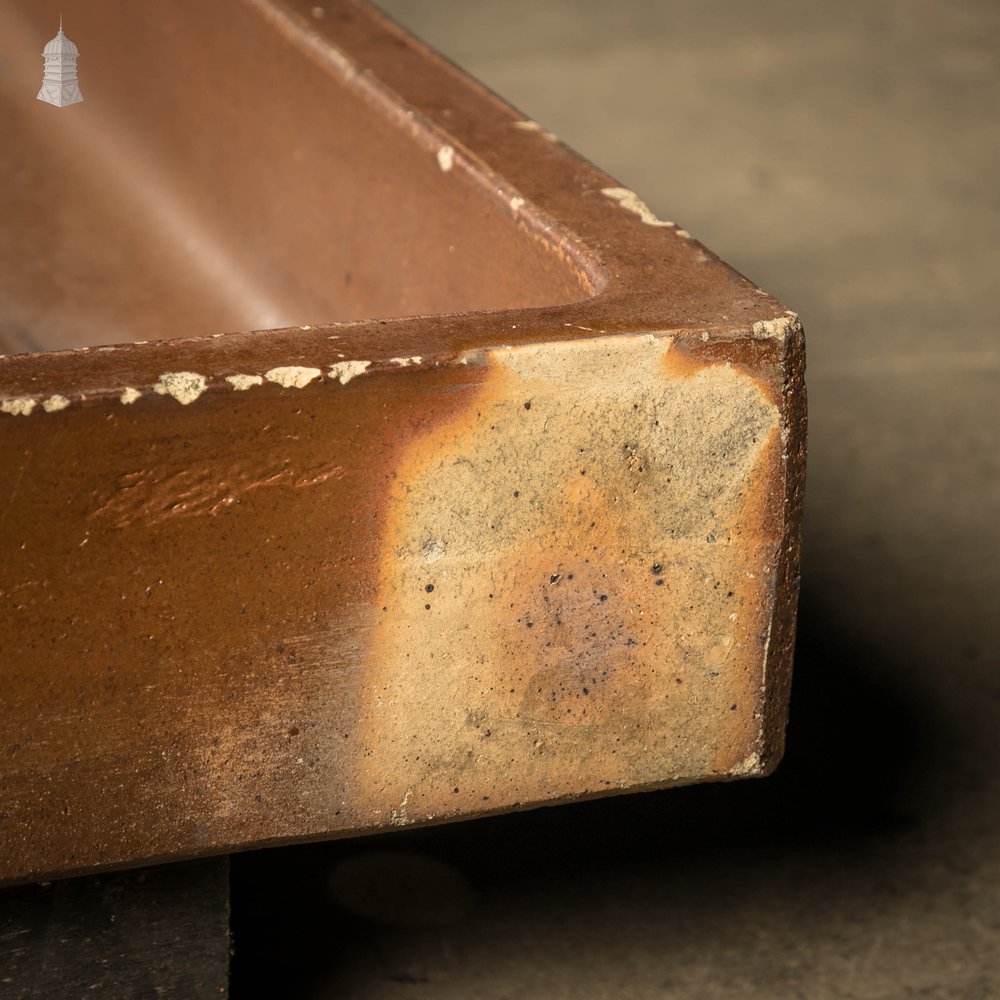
pixel 751 764
pixel 777 329
pixel 631 202
pixel 129 396
pixel 243 382
pixel 432 550
pixel 19 406
pixel 185 387
pixel 529 126
pixel 344 371
pixel 446 158
pixel 292 376
pixel 55 403
pixel 403 362
pixel 398 817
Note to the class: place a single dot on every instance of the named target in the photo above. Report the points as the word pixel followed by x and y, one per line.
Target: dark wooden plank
pixel 155 932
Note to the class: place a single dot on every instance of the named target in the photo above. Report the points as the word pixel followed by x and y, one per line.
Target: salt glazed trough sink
pixel 492 499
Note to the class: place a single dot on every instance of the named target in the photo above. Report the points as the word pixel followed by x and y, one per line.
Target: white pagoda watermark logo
pixel 60 87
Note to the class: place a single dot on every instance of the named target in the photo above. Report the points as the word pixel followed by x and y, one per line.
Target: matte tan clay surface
pixel 347 575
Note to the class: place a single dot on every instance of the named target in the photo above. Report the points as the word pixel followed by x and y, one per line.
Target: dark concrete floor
pixel 845 156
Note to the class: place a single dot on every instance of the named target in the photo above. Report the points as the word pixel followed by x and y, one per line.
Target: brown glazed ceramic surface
pixel 339 575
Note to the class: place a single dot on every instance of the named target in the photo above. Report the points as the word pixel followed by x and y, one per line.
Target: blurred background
pixel 845 157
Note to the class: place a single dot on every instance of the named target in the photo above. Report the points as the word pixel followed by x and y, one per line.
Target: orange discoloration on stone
pixel 576 583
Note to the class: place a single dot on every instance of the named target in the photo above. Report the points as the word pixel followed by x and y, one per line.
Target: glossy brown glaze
pixel 355 574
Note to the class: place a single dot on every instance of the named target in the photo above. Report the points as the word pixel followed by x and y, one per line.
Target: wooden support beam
pixel 160 932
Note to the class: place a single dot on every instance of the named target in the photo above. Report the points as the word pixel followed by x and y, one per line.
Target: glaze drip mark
pixel 150 496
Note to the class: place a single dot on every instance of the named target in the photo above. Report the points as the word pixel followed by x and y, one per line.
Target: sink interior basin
pixel 213 179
